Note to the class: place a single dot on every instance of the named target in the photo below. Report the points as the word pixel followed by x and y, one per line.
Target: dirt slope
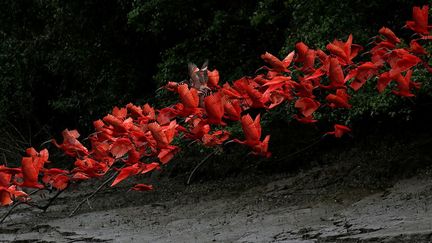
pixel 313 206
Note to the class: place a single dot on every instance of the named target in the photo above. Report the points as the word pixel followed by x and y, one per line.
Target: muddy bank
pixel 311 206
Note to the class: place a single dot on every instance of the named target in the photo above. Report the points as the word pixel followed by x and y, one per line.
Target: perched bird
pixel 419 24
pixel 198 79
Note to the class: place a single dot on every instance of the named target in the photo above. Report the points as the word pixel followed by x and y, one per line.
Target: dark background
pixel 64 64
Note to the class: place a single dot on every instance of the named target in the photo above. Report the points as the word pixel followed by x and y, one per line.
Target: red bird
pixel 119 124
pixel 7 194
pixel 80 176
pixel 336 75
pixel 5 179
pixel 58 178
pixel 120 147
pixel 30 173
pixel 401 60
pixel 39 158
pixel 276 98
pixel 214 108
pixel 339 130
pixel 142 187
pixel 252 131
pixel 419 24
pixel 302 50
pixel 361 74
pixel 307 106
pixel 197 128
pixel 71 146
pixel 167 154
pixel 190 100
pixel 389 35
pixel 31 166
pixel 230 92
pixel 416 48
pixel 262 148
pixel 103 132
pixel 138 168
pixel 345 51
pixel 135 111
pixel 248 90
pixel 276 64
pixel 380 52
pixel 305 120
pixel 383 80
pixel 404 84
pixel 89 168
pixel 213 78
pixel 309 62
pixel 163 135
pixel 165 115
pixel 216 138
pixel 170 86
pixel 339 100
pixel 232 110
pixel 120 113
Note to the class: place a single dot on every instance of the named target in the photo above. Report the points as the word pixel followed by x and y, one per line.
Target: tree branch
pixel 92 195
pixel 16 204
pixel 199 165
pixel 10 211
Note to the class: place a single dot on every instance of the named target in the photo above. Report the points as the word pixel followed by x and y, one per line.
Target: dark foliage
pixel 66 63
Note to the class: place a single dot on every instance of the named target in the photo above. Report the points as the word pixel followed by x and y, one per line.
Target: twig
pixel 42 129
pixel 91 134
pixel 199 164
pixel 9 212
pixel 29 133
pixel 15 140
pixel 91 195
pixel 44 208
pixel 190 144
pixel 6 150
pixel 89 204
pixel 16 205
pixel 5 160
pixel 48 141
pixel 17 131
pixel 7 143
pixel 303 149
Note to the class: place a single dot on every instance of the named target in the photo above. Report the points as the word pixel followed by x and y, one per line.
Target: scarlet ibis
pixel 419 24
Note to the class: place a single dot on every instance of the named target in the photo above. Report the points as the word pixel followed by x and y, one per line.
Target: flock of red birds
pixel 139 139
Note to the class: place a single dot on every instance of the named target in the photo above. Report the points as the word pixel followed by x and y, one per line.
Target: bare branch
pixel 199 165
pixel 10 211
pixel 92 195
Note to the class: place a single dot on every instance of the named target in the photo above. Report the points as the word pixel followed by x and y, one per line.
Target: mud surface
pixel 318 205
